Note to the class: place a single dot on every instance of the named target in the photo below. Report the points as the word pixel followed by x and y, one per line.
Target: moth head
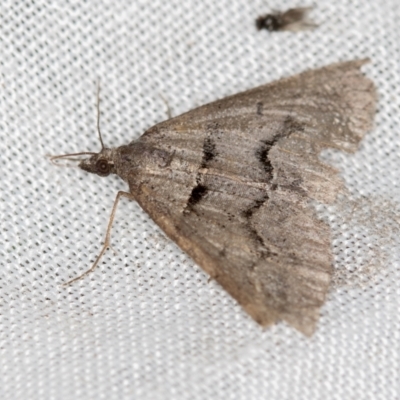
pixel 101 164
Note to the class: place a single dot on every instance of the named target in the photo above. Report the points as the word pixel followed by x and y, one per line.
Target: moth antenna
pixel 85 153
pixel 70 155
pixel 98 113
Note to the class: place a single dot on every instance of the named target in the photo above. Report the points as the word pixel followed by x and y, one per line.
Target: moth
pixel 232 183
pixel 294 19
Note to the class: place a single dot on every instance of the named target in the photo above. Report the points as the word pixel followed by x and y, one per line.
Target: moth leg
pixel 169 113
pixel 107 240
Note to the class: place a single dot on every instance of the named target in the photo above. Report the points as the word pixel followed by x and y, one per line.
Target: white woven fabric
pixel 147 324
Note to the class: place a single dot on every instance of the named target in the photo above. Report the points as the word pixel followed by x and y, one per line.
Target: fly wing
pixel 296 19
pixel 234 191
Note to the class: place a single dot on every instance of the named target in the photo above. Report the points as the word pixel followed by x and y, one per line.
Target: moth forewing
pixel 232 184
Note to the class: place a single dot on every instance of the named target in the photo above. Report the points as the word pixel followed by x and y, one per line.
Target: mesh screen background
pixel 147 324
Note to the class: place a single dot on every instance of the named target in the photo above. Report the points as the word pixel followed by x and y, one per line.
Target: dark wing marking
pixel 236 194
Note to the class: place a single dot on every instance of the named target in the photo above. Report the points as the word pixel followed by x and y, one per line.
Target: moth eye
pixel 103 167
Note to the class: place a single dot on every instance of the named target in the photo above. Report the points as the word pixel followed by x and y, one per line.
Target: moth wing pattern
pixel 234 179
